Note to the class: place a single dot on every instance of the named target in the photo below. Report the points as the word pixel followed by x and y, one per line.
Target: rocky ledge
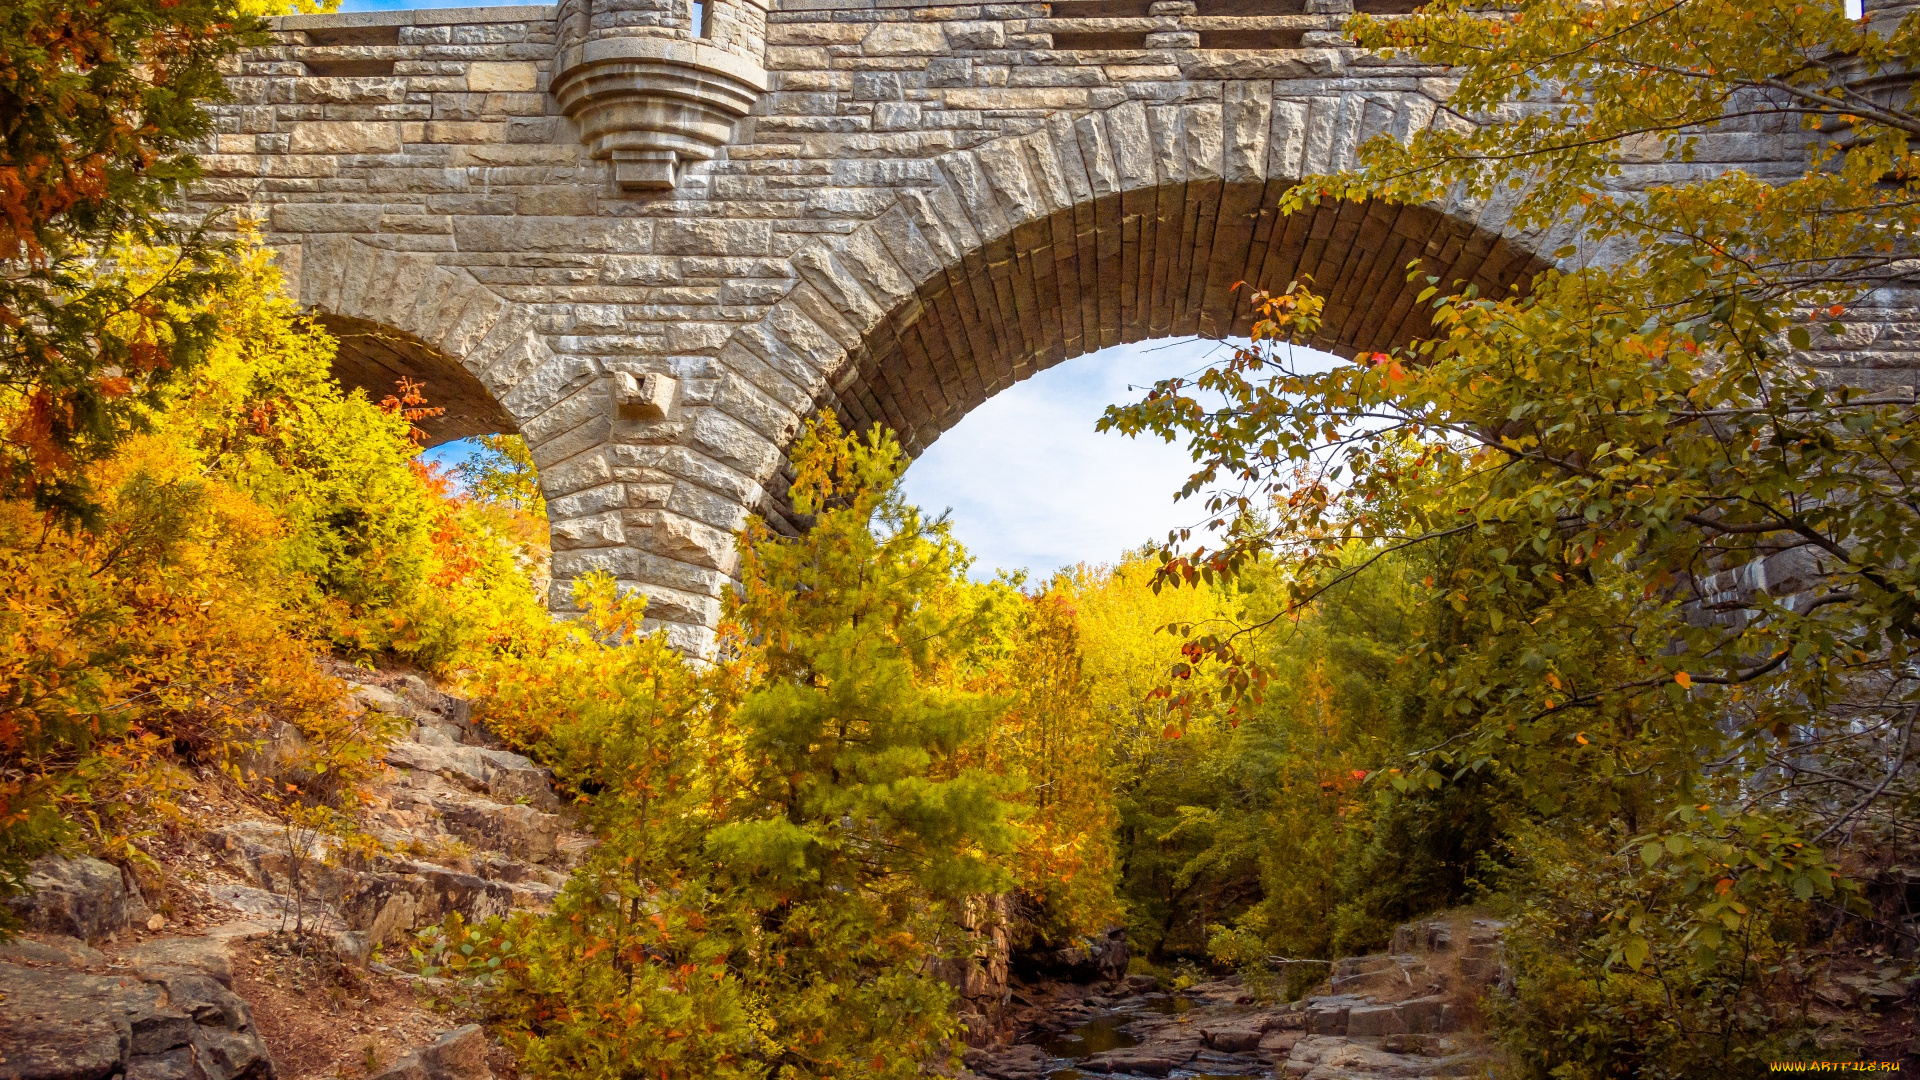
pixel 104 987
pixel 163 1011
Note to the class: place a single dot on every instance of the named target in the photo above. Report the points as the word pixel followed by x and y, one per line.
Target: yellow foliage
pixel 1131 637
pixel 264 517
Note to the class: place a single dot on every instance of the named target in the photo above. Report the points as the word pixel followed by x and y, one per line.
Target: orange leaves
pixel 410 404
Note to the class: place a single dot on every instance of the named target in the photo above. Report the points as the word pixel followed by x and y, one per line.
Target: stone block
pixel 896 116
pixel 904 39
pixel 461 131
pixel 344 137
pixel 512 77
pixel 512 154
pixel 878 86
pixel 950 71
pixel 1017 97
pixel 326 218
pixel 1430 1015
pixel 591 501
pixel 977 35
pixel 709 237
pixel 1370 1020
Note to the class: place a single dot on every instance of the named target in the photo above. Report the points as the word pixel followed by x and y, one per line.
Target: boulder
pixel 1018 1062
pixel 1092 960
pixel 1365 1021
pixel 1330 1056
pixel 1279 1043
pixel 1434 935
pixel 52 949
pixel 1154 1059
pixel 1233 1040
pixel 58 1024
pixel 1426 1045
pixel 518 831
pixel 504 775
pixel 207 956
pixel 1328 1015
pixel 1430 1015
pixel 79 897
pixel 460 1054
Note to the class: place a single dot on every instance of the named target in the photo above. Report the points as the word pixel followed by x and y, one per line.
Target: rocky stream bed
pixel 1391 1015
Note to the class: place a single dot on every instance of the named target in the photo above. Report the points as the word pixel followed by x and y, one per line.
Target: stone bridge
pixel 653 236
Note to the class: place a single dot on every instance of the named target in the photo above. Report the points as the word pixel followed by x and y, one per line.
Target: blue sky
pixel 397 5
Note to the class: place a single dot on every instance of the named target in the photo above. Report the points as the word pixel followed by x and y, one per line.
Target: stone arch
pixel 1117 226
pixel 400 313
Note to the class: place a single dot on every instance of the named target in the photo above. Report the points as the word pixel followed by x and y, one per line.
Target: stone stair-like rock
pixel 154 1013
pixel 103 988
pixel 463 826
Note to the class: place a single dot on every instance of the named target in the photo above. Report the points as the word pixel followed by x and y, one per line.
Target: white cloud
pixel 1033 486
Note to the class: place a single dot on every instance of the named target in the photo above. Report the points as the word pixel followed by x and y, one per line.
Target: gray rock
pixel 460 1054
pixel 1328 1015
pixel 518 831
pixel 504 775
pixel 1155 1059
pixel 53 949
pixel 1280 1043
pixel 208 956
pixel 57 1025
pixel 1435 935
pixel 1233 1040
pixel 1373 1020
pixel 80 897
pixel 1019 1062
pixel 1430 1015
pixel 64 1025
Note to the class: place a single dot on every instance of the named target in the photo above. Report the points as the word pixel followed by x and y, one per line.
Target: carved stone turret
pixel 652 86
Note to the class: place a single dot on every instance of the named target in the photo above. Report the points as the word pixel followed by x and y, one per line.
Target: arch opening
pixel 1154 263
pixel 1140 265
pixel 375 357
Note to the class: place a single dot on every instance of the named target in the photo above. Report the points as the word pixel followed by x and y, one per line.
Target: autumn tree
pixel 862 822
pixel 1684 573
pixel 786 833
pixel 100 104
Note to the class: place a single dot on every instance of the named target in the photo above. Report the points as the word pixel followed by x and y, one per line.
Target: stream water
pixel 1109 1032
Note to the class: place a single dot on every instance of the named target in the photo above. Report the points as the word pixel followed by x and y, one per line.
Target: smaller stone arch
pixel 399 313
pixel 375 357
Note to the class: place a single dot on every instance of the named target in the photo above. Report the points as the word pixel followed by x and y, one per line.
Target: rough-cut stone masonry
pixel 921 205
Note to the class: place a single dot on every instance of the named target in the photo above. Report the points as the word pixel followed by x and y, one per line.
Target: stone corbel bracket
pixel 651 104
